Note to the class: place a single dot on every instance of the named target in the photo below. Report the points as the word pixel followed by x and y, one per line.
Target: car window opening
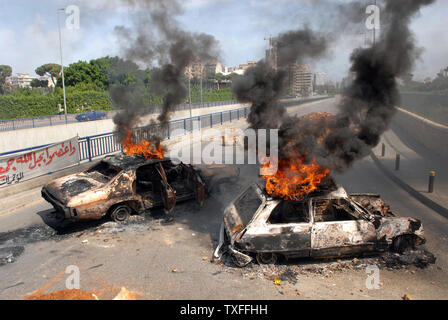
pixel 178 178
pixel 334 210
pixel 148 180
pixel 106 170
pixel 290 212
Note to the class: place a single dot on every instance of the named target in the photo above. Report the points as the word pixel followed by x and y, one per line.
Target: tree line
pixel 87 87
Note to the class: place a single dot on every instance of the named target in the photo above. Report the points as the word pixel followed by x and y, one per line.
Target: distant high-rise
pixel 320 79
pixel 195 69
pixel 302 79
pixel 271 53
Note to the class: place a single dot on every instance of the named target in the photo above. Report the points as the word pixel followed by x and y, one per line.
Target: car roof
pixel 124 161
pixel 338 193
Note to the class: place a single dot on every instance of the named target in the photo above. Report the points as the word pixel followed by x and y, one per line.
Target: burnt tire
pixel 120 213
pixel 237 261
pixel 402 243
pixel 266 258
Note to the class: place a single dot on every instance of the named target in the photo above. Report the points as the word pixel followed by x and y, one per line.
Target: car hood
pixel 65 188
pixel 397 226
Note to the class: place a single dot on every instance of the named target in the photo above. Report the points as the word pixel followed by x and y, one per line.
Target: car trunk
pixel 64 189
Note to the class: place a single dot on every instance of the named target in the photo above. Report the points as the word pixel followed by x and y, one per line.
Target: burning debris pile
pixel 313 146
pixel 157 38
pixel 297 176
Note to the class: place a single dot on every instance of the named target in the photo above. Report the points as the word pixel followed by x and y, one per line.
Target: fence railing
pixel 92 147
pixel 96 146
pixel 43 121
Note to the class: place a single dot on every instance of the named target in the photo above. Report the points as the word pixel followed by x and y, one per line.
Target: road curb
pixel 417 195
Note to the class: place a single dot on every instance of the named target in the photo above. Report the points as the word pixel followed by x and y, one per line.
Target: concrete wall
pixel 431 134
pixel 27 138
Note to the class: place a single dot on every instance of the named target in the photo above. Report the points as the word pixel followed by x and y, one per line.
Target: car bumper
pixel 56 203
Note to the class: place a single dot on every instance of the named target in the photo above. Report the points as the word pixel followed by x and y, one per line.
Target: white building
pixel 302 79
pixel 320 79
pixel 21 80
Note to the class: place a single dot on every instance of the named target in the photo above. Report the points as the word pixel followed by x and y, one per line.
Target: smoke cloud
pixel 157 39
pixel 367 106
pixel 262 85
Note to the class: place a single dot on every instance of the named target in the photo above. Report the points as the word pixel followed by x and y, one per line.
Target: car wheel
pixel 266 258
pixel 401 244
pixel 120 213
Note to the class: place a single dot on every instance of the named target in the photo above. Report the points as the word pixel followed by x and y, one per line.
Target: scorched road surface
pixel 158 261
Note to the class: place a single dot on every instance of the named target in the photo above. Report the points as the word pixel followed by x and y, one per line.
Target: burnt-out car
pixel 324 224
pixel 121 185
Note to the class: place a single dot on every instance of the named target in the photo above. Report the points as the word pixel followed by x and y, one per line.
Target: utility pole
pixel 202 70
pixel 189 92
pixel 62 64
pixel 374 32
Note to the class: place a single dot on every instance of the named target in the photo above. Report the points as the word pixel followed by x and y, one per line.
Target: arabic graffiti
pixel 32 164
pixel 11 179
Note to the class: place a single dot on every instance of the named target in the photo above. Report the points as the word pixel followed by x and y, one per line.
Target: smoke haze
pixel 367 106
pixel 156 39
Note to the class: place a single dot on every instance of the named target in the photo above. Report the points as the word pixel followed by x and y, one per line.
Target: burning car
pixel 326 223
pixel 121 185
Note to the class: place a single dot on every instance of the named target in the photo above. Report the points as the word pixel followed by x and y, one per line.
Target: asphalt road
pixel 159 261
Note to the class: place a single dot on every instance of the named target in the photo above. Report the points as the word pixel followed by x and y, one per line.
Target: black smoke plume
pixel 366 108
pixel 156 38
pixel 263 84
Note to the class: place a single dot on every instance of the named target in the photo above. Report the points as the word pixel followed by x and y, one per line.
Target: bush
pixel 38 102
pixel 33 103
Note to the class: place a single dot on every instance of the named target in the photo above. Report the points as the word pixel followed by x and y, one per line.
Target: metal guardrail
pixel 95 146
pixel 34 122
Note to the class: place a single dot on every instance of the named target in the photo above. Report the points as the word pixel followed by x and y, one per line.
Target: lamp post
pixel 189 92
pixel 374 31
pixel 62 64
pixel 202 70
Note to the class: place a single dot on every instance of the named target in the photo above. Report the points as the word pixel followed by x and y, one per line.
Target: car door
pixel 195 182
pixel 340 237
pixel 167 192
pixel 290 238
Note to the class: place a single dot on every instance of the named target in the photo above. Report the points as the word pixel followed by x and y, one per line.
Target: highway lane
pixel 363 177
pixel 194 236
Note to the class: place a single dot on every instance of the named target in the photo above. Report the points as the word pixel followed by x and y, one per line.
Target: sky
pixel 29 31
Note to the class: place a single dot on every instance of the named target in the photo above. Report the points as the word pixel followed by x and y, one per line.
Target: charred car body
pixel 120 185
pixel 327 223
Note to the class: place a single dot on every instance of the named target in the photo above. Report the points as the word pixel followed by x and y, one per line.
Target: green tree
pixel 83 72
pixel 104 73
pixel 5 71
pixel 36 83
pixel 51 70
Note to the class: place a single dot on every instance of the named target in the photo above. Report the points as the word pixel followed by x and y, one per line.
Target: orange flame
pixel 144 148
pixel 294 178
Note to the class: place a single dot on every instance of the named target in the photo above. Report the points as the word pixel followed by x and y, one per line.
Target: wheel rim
pixel 121 213
pixel 266 258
